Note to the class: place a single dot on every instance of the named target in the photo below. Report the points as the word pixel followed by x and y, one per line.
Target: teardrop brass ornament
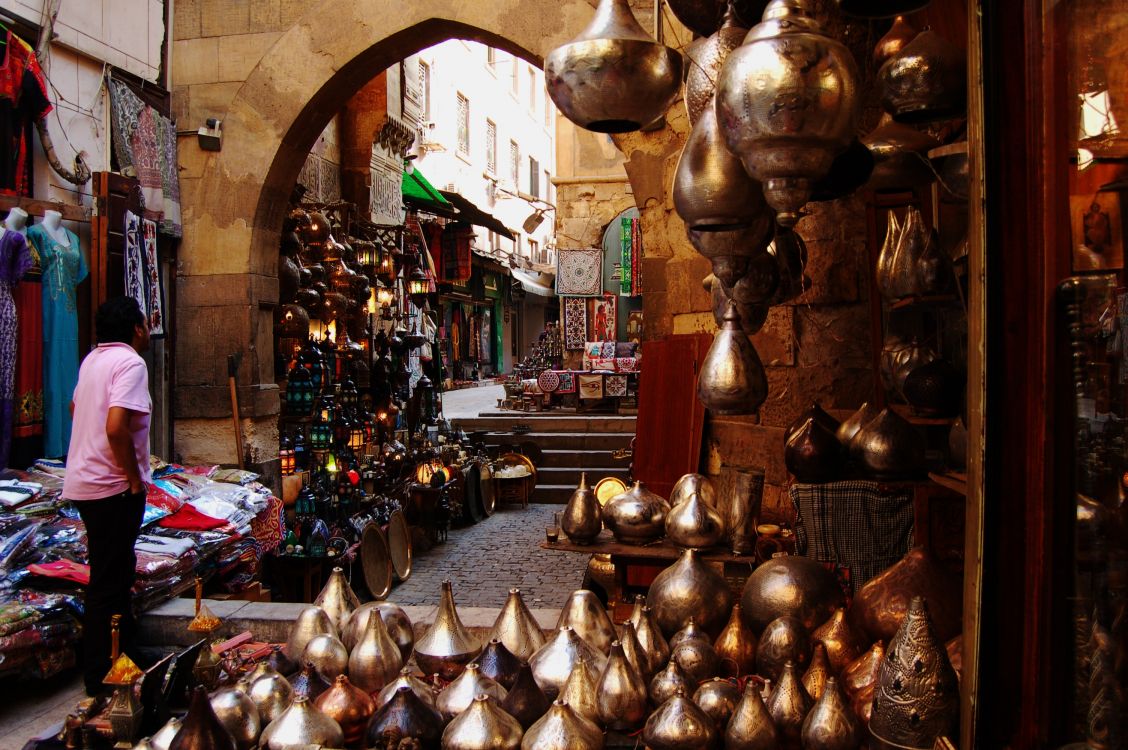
pixel 202 730
pixel 899 35
pixel 831 724
pixel 751 726
pixel 614 77
pixel 900 159
pixel 693 523
pixel 309 682
pixel 690 484
pixel 447 646
pixel 926 81
pixel 582 519
pixel 311 621
pixel 690 631
pixel 238 715
pixel 337 599
pixel 703 16
pixel 679 724
pixel 349 706
pixel 718 698
pixel 813 454
pixel 884 270
pixel 375 661
pixel 458 695
pixel 697 659
pixel 586 615
pixel 881 605
pixel 706 57
pixel 841 644
pixel 621 694
pixel 328 654
pixel 553 662
pixel 405 716
pixel 633 650
pixel 651 639
pixel 818 414
pixel 579 691
pixel 516 628
pixel 636 516
pixel 732 380
pixel 271 694
pixel 498 664
pixel 855 422
pixel 859 680
pixel 790 585
pixel 789 705
pixel 395 620
pixel 917 696
pixel 483 726
pixel 736 647
pixel 788 61
pixel 636 610
pixel 562 728
pixel 301 724
pixel 814 679
pixel 408 680
pixel 526 702
pixel 689 589
pixel 784 640
pixel 668 683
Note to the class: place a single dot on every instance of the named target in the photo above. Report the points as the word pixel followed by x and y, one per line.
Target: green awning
pixel 419 191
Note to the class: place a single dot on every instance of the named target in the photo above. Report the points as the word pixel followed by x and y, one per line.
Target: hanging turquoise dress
pixel 64 268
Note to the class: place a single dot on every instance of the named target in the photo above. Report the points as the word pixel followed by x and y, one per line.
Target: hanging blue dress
pixel 64 267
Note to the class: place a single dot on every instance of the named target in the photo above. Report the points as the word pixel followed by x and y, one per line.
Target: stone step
pixel 552 493
pixel 600 424
pixel 553 459
pixel 571 475
pixel 576 441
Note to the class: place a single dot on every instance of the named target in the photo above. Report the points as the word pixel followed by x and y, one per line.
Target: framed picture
pixel 1097 231
pixel 601 318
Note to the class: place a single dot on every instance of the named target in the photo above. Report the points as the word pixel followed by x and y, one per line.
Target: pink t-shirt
pixel 111 375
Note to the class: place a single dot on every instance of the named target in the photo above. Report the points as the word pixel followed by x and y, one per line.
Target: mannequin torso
pixel 53 224
pixel 16 221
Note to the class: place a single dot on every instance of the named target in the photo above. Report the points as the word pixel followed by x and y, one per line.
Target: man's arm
pixel 120 437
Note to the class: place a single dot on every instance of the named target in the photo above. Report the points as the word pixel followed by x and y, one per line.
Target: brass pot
pixel 553 662
pixel 697 659
pixel 935 389
pixel 736 647
pixel 299 725
pixel 706 57
pixel 309 682
pixel 668 683
pixel 831 724
pixel 732 250
pixel 900 159
pixel 329 656
pixel 880 606
pixel 787 103
pixel 337 599
pixel 740 502
pixel 621 693
pixel 636 516
pixel 789 705
pixel 349 706
pixel 458 695
pixel 238 715
pixel 818 414
pixel 860 678
pixel 633 650
pixel 166 734
pixel 918 695
pixel 579 691
pixel 703 16
pixel 926 81
pixel 585 614
pixel 483 726
pixel 694 523
pixel 516 627
pixel 679 724
pixel 202 729
pixel 900 33
pixel 375 661
pixel 272 695
pixel 880 8
pixel 562 728
pixel 732 380
pixel 282 663
pixel 689 589
pixel 784 640
pixel 899 358
pixel 751 726
pixel 405 716
pixel 582 519
pixel 613 77
pixel 918 267
pixel 814 679
pixel 812 453
pixel 790 585
pixel 718 698
pixel 651 639
pixel 836 635
pixel 399 628
pixel 447 646
pixel 525 701
pixel 889 448
pixel 690 484
pixel 408 680
pixel 691 631
pixel 849 428
pixel 312 621
pixel 498 664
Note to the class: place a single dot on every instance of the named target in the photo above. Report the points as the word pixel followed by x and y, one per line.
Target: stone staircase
pixel 570 444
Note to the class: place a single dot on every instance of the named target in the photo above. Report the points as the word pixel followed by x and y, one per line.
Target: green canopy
pixel 418 190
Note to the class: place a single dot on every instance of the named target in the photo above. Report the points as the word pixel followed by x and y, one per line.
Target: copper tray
pixel 608 487
pixel 375 561
pixel 399 545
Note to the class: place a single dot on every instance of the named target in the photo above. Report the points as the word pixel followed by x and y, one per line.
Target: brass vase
pixel 579 691
pixel 689 589
pixel 668 683
pixel 886 285
pixel 395 620
pixel 375 661
pixel 312 621
pixel 812 453
pixel 706 57
pixel 859 680
pixel 447 646
pixel 732 380
pixel 238 715
pixel 636 516
pixel 329 656
pixel 926 81
pixel 586 615
pixel 831 724
pixel 483 726
pixel 784 640
pixel 850 426
pixel 900 159
pixel 562 728
pixel 935 389
pixel 679 724
pixel 202 729
pixel 525 701
pixel 889 448
pixel 917 698
pixel 301 724
pixel 690 484
pixel 792 586
pixel 695 524
pixel 613 77
pixel 651 639
pixel 272 695
pixel 621 693
pixel 787 103
pixel 697 659
pixel 736 647
pixel 880 606
pixel 405 716
pixel 814 679
pixel 739 501
pixel 788 706
pixel 841 644
pixel 691 631
pixel 553 662
pixel 337 599
pixel 633 650
pixel 458 695
pixel 818 414
pixel 349 706
pixel 408 680
pixel 900 33
pixel 516 628
pixel 718 697
pixel 582 519
pixel 751 726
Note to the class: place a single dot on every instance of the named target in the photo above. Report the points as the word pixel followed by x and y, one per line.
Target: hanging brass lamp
pixel 706 58
pixel 732 378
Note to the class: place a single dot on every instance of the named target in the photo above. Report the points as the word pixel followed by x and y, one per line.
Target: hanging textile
pixel 579 272
pixel 23 100
pixel 125 108
pixel 575 322
pixel 630 242
pixel 154 304
pixel 602 319
pixel 170 178
pixel 15 260
pixel 29 363
pixel 134 274
pixel 456 238
pixel 636 257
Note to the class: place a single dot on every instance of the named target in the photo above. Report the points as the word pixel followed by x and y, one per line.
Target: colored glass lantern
pixel 316 232
pixel 426 399
pixel 301 453
pixel 349 395
pixel 418 285
pixel 286 456
pixel 385 266
pixel 299 392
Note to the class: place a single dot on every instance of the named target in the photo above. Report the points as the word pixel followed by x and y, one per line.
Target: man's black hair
pixel 116 319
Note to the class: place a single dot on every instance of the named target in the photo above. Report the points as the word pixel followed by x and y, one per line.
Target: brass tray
pixel 486 490
pixel 399 545
pixel 608 487
pixel 375 561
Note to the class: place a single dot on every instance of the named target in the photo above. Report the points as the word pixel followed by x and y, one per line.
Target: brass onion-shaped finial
pixel 582 519
pixel 483 726
pixel 585 614
pixel 447 646
pixel 678 724
pixel 301 724
pixel 337 599
pixel 689 589
pixel 516 627
pixel 621 694
pixel 751 726
pixel 562 728
pixel 732 378
pixel 831 724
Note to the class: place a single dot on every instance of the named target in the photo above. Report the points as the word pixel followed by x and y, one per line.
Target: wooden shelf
pixel 953 480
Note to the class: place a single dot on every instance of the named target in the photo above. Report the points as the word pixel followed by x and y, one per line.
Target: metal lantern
pixel 614 77
pixel 356 436
pixel 426 399
pixel 286 456
pixel 706 58
pixel 385 265
pixel 787 104
pixel 316 232
pixel 299 392
pixel 301 453
pixel 349 395
pixel 385 296
pixel 321 432
pixel 366 255
pixel 418 285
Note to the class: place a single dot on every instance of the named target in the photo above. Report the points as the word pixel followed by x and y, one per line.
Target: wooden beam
pixel 38 206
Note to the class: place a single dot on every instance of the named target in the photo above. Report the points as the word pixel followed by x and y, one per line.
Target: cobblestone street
pixel 487 559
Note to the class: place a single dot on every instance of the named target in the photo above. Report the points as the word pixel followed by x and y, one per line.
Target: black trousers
pixel 112 526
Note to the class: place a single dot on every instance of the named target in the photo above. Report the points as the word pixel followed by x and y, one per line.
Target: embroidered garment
pixel 154 306
pixel 456 251
pixel 145 145
pixel 15 260
pixel 23 100
pixel 134 274
pixel 29 360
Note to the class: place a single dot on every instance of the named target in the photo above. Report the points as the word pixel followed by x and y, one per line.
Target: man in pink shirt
pixel 107 472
